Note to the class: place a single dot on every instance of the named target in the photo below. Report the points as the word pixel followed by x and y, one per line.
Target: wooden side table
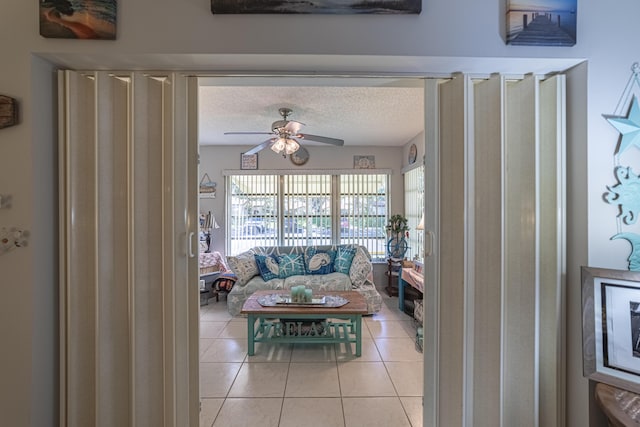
pixel 209 290
pixel 394 266
pixel 621 407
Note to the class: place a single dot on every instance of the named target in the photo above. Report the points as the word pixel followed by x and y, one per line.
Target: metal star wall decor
pixel 629 127
pixel 626 192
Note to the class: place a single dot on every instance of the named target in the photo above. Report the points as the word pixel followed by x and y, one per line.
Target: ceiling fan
pixel 286 136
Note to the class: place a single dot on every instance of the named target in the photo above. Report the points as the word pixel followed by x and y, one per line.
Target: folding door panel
pixel 552 263
pixel 487 251
pixel 520 280
pixel 451 239
pixel 494 341
pixel 126 325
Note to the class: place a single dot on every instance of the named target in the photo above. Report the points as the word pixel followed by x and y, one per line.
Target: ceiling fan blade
pixel 318 138
pixel 293 127
pixel 259 147
pixel 248 133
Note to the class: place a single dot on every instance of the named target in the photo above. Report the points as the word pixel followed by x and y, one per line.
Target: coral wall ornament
pixel 13 238
pixel 8 111
pixel 626 194
pixel 634 257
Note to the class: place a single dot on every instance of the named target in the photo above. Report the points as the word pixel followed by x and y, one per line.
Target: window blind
pixel 413 208
pixel 307 209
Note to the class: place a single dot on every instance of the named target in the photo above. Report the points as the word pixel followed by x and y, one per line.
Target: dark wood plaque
pixel 8 111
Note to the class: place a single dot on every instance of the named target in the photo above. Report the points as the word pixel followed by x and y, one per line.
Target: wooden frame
pixel 81 20
pixel 611 327
pixel 384 7
pixel 249 161
pixel 541 23
pixel 364 162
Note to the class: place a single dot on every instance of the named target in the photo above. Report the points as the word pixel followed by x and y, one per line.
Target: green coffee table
pixel 309 324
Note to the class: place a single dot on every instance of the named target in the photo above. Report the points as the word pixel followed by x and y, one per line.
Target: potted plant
pixel 396 229
pixel 397 225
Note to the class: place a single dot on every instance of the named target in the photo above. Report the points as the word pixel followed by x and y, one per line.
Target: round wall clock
pixel 413 153
pixel 300 157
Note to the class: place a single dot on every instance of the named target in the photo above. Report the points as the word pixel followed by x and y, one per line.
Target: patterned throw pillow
pixel 291 265
pixel 243 266
pixel 319 261
pixel 268 266
pixel 361 268
pixel 344 257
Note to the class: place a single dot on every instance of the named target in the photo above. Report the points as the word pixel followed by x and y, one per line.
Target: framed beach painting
pixel 541 22
pixel 78 19
pixel 611 327
pixel 332 7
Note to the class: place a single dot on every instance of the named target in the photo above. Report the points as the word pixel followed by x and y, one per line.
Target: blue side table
pixel 402 284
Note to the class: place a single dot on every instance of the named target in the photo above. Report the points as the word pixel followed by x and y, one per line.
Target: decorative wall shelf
pixel 8 111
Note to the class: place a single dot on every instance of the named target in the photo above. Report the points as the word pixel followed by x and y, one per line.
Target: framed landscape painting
pixel 78 19
pixel 611 327
pixel 541 22
pixel 333 7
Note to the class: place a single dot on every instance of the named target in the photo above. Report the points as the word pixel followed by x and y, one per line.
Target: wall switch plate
pixel 5 201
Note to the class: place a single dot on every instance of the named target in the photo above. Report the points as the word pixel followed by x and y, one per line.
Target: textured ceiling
pixel 374 112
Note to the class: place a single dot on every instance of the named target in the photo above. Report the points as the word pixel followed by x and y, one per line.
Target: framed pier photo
pixel 541 22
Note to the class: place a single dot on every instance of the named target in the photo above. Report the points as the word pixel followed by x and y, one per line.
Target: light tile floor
pixel 310 385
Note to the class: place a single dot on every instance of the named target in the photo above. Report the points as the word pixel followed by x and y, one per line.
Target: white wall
pixel 187 36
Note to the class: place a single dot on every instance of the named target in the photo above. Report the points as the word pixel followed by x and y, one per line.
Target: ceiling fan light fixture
pixel 291 146
pixel 278 145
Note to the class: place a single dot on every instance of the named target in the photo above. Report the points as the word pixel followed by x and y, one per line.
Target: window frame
pixel 335 201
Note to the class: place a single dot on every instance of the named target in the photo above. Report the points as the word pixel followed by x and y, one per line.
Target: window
pixel 363 212
pixel 413 208
pixel 289 210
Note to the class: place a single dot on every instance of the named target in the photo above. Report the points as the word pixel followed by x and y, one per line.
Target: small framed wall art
pixel 611 327
pixel 364 162
pixel 249 161
pixel 413 153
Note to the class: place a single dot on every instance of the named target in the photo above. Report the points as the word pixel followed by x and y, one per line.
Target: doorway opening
pixel 378 117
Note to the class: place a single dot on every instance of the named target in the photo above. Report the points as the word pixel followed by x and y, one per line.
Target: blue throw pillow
pixel 320 261
pixel 267 266
pixel 291 265
pixel 344 258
